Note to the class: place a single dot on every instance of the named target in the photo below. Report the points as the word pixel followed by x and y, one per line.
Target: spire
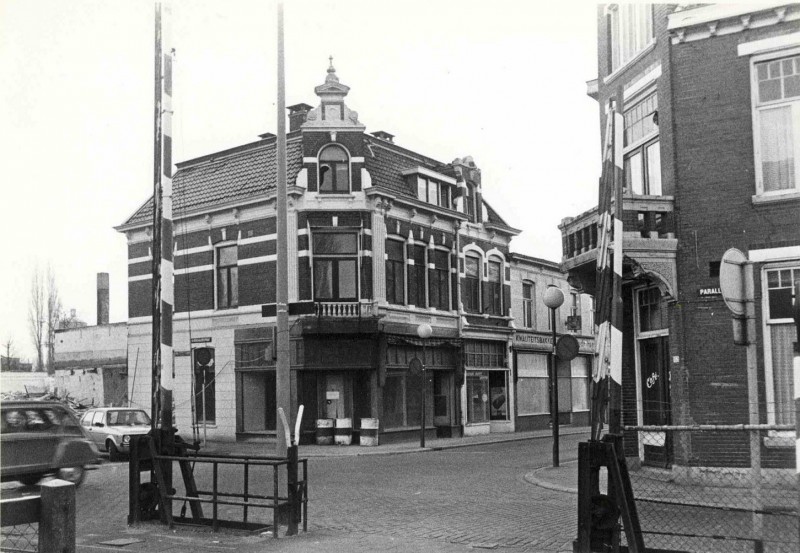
pixel 332 113
pixel 331 78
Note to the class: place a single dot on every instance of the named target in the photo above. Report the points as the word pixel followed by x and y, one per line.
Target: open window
pixel 334 170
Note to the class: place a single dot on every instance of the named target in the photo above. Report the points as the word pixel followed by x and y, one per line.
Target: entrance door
pixel 654 355
pixel 334 397
pixel 442 398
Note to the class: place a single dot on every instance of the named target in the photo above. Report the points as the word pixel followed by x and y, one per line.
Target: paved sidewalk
pixel 435 444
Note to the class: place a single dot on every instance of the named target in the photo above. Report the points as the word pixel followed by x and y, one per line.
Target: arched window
pixel 471 287
pixel 334 170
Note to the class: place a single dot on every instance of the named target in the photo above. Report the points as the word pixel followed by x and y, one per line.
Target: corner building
pixel 710 97
pixel 381 239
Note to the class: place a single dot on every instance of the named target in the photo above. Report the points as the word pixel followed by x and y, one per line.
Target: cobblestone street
pixel 451 500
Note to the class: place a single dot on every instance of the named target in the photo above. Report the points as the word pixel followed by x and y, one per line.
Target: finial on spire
pixel 331 78
pixel 331 69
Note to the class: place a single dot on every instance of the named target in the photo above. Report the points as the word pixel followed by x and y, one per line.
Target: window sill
pixel 780 440
pixel 772 198
pixel 335 196
pixel 621 69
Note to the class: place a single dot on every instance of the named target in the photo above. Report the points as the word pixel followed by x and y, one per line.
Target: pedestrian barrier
pixel 42 523
pixel 369 432
pixel 344 432
pixel 324 431
pixel 715 488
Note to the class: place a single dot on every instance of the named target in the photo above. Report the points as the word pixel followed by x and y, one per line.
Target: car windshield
pixel 128 418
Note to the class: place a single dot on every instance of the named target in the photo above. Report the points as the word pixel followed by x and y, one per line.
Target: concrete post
pixel 57 522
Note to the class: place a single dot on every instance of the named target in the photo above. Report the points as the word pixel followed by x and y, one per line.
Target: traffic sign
pixel 731 280
pixel 567 347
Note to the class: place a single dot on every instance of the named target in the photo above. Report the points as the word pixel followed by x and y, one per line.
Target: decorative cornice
pixel 725 19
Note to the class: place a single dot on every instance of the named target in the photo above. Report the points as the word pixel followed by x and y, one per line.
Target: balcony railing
pixel 649 217
pixel 344 309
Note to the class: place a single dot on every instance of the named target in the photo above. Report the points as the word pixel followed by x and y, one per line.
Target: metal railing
pixel 344 309
pixel 705 489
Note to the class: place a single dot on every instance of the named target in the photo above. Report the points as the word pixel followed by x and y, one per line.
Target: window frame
pixel 757 107
pixel 442 191
pixel 641 147
pixel 495 288
pixel 528 305
pixel 209 388
pixel 230 303
pixel 335 258
pixel 473 306
pixel 396 264
pixel 441 282
pixel 334 165
pixel 617 21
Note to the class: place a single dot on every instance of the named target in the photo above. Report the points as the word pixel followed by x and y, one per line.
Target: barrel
pixel 324 431
pixel 344 432
pixel 369 432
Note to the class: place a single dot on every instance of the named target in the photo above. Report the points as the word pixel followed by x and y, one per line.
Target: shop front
pixel 531 351
pixel 486 391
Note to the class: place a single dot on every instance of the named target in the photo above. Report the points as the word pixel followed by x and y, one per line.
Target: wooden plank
pixel 20 510
pixel 166 513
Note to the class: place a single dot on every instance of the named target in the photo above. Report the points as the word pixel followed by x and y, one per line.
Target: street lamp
pixel 553 298
pixel 424 331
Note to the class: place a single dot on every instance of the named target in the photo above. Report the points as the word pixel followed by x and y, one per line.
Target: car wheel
pixel 30 479
pixel 113 452
pixel 72 474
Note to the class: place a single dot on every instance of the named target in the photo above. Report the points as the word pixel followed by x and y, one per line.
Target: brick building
pixel 711 103
pixel 383 239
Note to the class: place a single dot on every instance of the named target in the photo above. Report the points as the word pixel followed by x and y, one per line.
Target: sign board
pixel 731 280
pixel 705 292
pixel 415 366
pixel 331 395
pixel 202 340
pixel 567 347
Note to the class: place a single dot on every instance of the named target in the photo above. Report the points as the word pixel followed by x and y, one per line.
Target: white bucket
pixel 369 432
pixel 324 431
pixel 344 432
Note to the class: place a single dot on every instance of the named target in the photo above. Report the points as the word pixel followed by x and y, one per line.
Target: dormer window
pixel 334 170
pixel 431 187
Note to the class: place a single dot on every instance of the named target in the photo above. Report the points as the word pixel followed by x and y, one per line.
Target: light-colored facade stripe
pixel 190 251
pixel 198 269
pixel 257 239
pixel 259 259
pixel 148 276
pixel 167 292
pixel 135 260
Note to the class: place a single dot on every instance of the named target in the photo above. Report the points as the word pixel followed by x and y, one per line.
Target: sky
pixel 502 81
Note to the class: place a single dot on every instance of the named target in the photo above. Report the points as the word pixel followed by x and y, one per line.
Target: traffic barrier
pixel 324 431
pixel 344 432
pixel 369 432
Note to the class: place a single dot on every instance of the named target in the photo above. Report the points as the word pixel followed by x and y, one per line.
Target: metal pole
pixel 423 388
pixel 554 389
pixel 155 376
pixel 796 366
pixel 283 369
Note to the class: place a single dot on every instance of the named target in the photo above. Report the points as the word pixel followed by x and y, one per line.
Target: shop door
pixel 334 397
pixel 654 354
pixel 442 398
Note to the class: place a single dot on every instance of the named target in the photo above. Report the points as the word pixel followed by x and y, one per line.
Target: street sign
pixel 731 280
pixel 201 340
pixel 567 347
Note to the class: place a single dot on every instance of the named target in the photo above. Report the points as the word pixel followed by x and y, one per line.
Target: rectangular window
pixel 471 285
pixel 477 397
pixel 227 277
pixel 781 334
pixel 532 384
pixel 402 400
pixel 652 315
pixel 433 192
pixel 416 276
pixel 495 288
pixel 205 395
pixel 580 383
pixel 528 313
pixel 630 30
pixel 776 85
pixel 642 159
pixel 395 272
pixel 335 266
pixel 439 280
pixel 484 354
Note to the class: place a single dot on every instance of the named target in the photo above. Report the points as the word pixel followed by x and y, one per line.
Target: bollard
pixel 57 522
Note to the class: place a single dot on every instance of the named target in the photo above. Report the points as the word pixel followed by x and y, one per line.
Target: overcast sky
pixel 502 81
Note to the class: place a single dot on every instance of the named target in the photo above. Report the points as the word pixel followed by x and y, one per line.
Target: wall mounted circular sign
pixel 415 366
pixel 567 347
pixel 731 280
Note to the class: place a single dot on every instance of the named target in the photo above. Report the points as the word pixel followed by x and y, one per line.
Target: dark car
pixel 39 438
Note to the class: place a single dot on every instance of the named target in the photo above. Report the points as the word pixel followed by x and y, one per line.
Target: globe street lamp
pixel 424 331
pixel 553 298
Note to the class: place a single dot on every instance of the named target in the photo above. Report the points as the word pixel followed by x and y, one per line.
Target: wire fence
pixel 715 488
pixel 20 538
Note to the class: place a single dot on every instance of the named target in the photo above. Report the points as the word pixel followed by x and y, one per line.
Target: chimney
pixel 267 136
pixel 297 116
pixel 102 299
pixel 383 135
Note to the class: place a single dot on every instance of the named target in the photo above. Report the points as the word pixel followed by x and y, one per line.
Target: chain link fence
pixel 20 538
pixel 697 490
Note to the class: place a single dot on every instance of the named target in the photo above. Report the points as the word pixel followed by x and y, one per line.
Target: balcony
pixel 345 309
pixel 649 242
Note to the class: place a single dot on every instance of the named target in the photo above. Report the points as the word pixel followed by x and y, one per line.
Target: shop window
pixel 498 395
pixel 402 400
pixel 642 153
pixel 581 373
pixel 471 285
pixel 334 170
pixel 395 272
pixel 335 266
pixel 494 287
pixel 780 335
pixel 439 280
pixel 416 275
pixel 528 313
pixel 776 124
pixel 630 30
pixel 532 384
pixel 477 396
pixel 227 277
pixel 484 354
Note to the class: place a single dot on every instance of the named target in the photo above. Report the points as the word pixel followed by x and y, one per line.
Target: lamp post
pixel 553 298
pixel 424 331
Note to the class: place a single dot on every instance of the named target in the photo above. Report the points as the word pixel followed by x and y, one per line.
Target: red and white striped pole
pixel 797 384
pixel 615 361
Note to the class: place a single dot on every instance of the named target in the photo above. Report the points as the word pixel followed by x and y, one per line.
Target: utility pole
pixel 283 375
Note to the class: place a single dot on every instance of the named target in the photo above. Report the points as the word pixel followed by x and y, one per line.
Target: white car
pixel 111 428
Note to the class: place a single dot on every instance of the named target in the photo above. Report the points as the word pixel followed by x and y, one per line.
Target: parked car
pixel 38 438
pixel 111 428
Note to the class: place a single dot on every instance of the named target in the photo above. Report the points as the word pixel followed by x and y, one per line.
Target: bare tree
pixel 8 347
pixel 53 317
pixel 36 316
